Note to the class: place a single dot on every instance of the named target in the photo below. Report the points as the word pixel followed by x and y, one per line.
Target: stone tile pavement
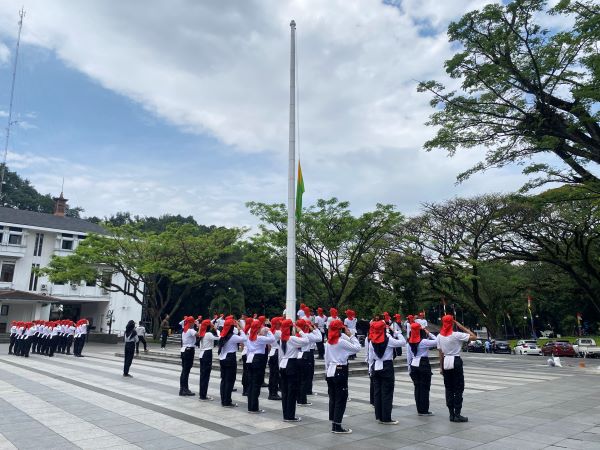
pixel 65 402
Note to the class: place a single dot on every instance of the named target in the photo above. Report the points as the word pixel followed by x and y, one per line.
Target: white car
pixel 527 347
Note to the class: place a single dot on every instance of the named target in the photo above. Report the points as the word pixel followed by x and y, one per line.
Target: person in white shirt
pixel 141 334
pixel 417 358
pixel 70 336
pixel 291 341
pixel 207 336
pixel 350 323
pixel 228 343
pixel 421 320
pixel 451 366
pixel 130 338
pixel 256 359
pixel 306 360
pixel 321 322
pixel 381 368
pixel 274 379
pixel 13 336
pixel 245 382
pixel 188 350
pixel 340 345
pixel 333 315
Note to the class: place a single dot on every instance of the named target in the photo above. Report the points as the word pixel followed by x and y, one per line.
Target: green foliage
pixel 525 90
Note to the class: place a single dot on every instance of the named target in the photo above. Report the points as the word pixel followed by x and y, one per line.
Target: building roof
pixel 12 295
pixel 43 220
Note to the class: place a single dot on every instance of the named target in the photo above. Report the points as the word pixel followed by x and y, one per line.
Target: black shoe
pixel 295 419
pixel 338 429
pixel 231 405
pixel 234 390
pixel 127 375
pixel 264 385
pixel 274 397
pixel 459 418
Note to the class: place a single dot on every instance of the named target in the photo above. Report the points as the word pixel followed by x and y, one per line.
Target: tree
pixel 525 91
pixel 337 251
pixel 162 269
pixel 18 193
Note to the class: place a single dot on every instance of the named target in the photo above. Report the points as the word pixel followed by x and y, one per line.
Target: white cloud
pixel 221 68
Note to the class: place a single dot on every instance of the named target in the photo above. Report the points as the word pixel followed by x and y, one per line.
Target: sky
pixel 181 107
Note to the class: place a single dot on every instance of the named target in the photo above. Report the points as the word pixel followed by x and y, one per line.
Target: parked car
pixel 500 347
pixel 476 347
pixel 527 347
pixel 586 347
pixel 558 348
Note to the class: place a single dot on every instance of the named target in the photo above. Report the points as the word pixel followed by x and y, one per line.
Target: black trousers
pixel 187 361
pixel 337 389
pixel 311 372
pixel 52 345
pixel 62 341
pixel 321 347
pixel 228 372
pixel 69 344
pixel 256 376
pixel 421 377
pixel 383 391
pixel 290 377
pixel 163 338
pixel 274 377
pixel 129 351
pixel 304 369
pixel 244 376
pixel 26 347
pixel 371 391
pixel 205 369
pixel 11 346
pixel 141 339
pixel 454 382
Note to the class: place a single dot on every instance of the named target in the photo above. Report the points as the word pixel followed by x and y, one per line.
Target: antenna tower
pixel 10 122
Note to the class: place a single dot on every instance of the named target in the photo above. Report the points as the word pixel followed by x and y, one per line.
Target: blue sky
pixel 181 108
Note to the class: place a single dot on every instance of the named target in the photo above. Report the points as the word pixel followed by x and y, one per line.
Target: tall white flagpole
pixel 290 296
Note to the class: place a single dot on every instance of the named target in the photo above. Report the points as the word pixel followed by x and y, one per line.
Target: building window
pixel 66 242
pixel 39 242
pixel 7 272
pixel 4 310
pixel 33 278
pixel 15 236
pixel 106 280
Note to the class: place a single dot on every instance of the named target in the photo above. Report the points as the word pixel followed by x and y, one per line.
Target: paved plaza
pixel 65 402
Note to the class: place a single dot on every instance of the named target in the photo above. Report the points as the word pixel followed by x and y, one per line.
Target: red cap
pixel 276 324
pixel 320 311
pixel 262 320
pixel 447 324
pixel 205 325
pixel 286 329
pixel 254 329
pixel 188 321
pixel 415 333
pixel 333 312
pixel 386 316
pixel 306 310
pixel 398 318
pixel 248 324
pixel 410 318
pixel 333 335
pixel 228 325
pixel 377 332
pixel 350 314
pixel 303 325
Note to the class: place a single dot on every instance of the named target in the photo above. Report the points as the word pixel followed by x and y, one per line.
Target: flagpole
pixel 290 296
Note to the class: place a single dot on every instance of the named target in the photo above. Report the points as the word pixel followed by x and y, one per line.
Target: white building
pixel 28 240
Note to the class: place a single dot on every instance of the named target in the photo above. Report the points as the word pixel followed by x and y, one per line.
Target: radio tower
pixel 10 107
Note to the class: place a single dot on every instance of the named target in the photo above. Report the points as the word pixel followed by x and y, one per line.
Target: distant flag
pixel 299 192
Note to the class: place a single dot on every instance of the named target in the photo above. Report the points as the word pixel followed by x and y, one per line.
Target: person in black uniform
pixel 130 338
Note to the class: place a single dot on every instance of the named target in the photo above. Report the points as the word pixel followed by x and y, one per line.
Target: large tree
pixel 526 91
pixel 161 269
pixel 337 251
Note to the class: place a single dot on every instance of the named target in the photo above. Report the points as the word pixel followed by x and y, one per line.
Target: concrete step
pixel 357 367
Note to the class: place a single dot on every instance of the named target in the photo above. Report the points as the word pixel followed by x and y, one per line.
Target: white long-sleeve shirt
pixel 313 337
pixel 451 347
pixel 207 342
pixel 320 322
pixel 293 346
pixel 231 345
pixel 188 338
pixel 375 362
pixel 337 354
pixel 258 346
pixel 422 350
pixel 275 344
pixel 350 323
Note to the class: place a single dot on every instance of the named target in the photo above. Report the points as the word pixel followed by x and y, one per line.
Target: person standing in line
pixel 350 323
pixel 53 339
pixel 130 338
pixel 320 322
pixel 333 315
pixel 247 324
pixel 207 336
pixel 164 332
pixel 274 379
pixel 290 343
pixel 256 359
pixel 83 329
pixel 70 336
pixel 417 358
pixel 410 319
pixel 188 349
pixel 141 334
pixel 306 364
pixel 228 343
pixel 13 337
pixel 340 345
pixel 451 365
pixel 381 367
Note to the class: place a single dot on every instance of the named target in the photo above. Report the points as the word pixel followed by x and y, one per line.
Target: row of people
pixel 286 347
pixel 47 337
